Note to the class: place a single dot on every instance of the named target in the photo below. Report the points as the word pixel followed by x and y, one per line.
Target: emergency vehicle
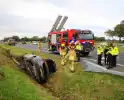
pixel 56 37
pixel 85 37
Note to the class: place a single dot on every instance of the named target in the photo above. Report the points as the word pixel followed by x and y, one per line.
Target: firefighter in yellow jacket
pixel 99 53
pixel 39 46
pixel 110 57
pixel 78 49
pixel 72 56
pixel 63 52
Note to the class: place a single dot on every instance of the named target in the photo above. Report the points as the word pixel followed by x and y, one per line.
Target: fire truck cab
pixel 56 36
pixel 85 37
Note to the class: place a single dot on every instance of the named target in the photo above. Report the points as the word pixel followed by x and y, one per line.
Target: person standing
pixel 110 56
pixel 63 53
pixel 72 57
pixel 116 52
pixel 106 49
pixel 99 53
pixel 39 46
pixel 78 49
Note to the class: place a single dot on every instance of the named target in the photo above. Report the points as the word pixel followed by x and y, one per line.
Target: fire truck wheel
pixel 51 65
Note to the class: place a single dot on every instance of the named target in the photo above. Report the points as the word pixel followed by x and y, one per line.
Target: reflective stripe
pixel 78 47
pixel 71 58
pixel 116 52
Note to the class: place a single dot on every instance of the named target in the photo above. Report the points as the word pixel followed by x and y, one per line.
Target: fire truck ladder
pixel 60 27
pixel 56 23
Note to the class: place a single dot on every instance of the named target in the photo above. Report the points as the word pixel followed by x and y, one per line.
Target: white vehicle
pixel 35 43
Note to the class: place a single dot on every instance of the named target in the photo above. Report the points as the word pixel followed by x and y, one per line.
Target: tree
pixel 119 31
pixel 34 38
pixel 16 38
pixel 99 38
pixel 6 39
pixel 25 39
pixel 122 22
pixel 110 33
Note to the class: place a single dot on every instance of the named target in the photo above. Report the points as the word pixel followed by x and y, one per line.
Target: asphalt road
pixel 91 58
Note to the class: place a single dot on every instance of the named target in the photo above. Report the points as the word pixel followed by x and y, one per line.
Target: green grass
pixel 121 48
pixel 79 85
pixel 16 85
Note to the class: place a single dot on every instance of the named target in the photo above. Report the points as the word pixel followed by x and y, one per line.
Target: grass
pixel 121 48
pixel 18 86
pixel 79 85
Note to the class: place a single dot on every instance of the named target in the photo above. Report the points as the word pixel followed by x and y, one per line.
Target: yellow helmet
pixel 62 45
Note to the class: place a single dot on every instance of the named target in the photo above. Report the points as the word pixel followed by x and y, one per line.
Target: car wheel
pixel 51 65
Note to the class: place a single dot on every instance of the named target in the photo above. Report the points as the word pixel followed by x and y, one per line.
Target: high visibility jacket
pixel 71 55
pixel 111 51
pixel 116 52
pixel 39 45
pixel 78 47
pixel 99 50
pixel 106 49
pixel 63 52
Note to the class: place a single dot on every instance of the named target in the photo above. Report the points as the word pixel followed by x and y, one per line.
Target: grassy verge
pixel 121 48
pixel 18 86
pixel 80 85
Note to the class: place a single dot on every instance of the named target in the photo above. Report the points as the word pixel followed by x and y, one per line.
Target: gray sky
pixel 35 17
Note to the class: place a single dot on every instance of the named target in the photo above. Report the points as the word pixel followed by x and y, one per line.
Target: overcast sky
pixel 35 17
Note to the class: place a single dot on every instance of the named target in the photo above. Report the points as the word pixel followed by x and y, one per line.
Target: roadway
pixel 92 58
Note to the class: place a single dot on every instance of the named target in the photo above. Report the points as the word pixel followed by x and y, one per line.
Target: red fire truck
pixel 56 37
pixel 85 37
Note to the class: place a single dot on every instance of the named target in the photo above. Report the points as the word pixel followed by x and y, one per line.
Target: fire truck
pixel 57 36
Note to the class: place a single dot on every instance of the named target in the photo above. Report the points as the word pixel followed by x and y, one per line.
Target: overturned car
pixel 37 67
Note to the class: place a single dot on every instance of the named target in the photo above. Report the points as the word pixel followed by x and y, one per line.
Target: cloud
pixel 35 17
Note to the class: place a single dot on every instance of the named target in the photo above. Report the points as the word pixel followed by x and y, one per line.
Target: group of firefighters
pixel 110 51
pixel 72 53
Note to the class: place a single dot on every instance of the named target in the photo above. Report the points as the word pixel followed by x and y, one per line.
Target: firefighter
pixel 78 49
pixel 99 53
pixel 72 56
pixel 49 40
pixel 115 54
pixel 110 56
pixel 72 43
pixel 75 36
pixel 106 49
pixel 63 53
pixel 39 46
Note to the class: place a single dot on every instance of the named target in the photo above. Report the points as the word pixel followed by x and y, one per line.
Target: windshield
pixel 86 36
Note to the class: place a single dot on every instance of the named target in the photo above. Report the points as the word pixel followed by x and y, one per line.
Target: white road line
pixel 102 61
pixel 96 65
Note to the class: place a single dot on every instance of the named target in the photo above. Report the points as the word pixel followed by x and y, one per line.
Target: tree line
pixel 42 39
pixel 118 31
pixel 27 39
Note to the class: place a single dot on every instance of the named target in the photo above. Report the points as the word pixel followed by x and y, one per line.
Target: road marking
pixel 104 58
pixel 102 61
pixel 96 65
pixel 106 70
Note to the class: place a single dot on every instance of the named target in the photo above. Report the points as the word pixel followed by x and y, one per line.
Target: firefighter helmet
pixel 62 44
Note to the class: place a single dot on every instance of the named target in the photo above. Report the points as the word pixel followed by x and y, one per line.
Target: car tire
pixel 51 65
